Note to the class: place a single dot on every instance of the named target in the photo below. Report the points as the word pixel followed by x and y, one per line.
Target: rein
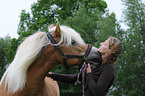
pixel 68 56
pixel 83 73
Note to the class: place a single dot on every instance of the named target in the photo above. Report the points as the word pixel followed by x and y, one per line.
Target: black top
pixel 98 81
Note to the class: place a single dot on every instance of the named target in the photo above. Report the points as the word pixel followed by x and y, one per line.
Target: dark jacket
pixel 98 81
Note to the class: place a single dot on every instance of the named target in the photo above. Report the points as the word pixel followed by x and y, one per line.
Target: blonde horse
pixel 35 57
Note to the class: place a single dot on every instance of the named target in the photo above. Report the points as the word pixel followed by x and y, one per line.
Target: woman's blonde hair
pixel 115 49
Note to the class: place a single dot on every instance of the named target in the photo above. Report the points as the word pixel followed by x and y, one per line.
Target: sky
pixel 9 15
pixel 10 11
pixel 116 6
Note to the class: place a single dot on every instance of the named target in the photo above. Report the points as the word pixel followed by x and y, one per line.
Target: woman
pixel 98 78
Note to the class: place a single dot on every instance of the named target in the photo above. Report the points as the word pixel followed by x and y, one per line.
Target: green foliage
pixel 130 75
pixel 11 49
pixel 129 80
pixel 45 12
pixel 3 45
pixel 135 16
pixel 2 70
pixel 3 60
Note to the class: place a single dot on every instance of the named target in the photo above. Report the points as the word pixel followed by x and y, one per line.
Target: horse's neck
pixel 36 74
pixel 40 68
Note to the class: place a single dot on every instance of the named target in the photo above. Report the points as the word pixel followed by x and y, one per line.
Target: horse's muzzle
pixel 94 58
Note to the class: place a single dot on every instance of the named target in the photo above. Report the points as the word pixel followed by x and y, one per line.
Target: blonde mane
pixel 16 74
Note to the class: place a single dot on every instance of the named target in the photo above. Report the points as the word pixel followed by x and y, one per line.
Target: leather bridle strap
pixel 54 42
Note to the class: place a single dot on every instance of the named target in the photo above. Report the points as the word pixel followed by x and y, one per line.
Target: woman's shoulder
pixel 109 66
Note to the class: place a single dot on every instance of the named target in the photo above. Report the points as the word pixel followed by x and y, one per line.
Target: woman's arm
pixel 67 78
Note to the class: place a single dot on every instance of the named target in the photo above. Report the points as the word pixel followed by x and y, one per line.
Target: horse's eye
pixel 73 42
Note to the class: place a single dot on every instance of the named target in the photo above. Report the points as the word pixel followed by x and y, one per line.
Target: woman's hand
pixel 88 70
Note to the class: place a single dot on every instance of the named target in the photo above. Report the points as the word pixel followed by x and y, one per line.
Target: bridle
pixel 65 56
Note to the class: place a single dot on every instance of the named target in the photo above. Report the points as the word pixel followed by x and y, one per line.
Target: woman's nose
pixel 100 43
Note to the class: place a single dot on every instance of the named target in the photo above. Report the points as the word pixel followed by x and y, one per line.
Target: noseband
pixel 65 56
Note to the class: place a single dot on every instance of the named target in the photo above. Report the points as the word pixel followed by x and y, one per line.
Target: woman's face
pixel 104 47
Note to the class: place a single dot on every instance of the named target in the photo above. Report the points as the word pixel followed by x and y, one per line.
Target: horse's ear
pixel 57 30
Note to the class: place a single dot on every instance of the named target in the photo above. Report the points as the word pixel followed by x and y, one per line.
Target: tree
pixel 131 65
pixel 4 44
pixel 11 49
pixel 45 12
pixel 3 60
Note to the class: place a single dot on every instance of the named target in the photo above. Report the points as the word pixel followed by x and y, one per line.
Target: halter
pixel 68 56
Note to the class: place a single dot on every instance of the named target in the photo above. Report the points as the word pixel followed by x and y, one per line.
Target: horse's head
pixel 71 49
